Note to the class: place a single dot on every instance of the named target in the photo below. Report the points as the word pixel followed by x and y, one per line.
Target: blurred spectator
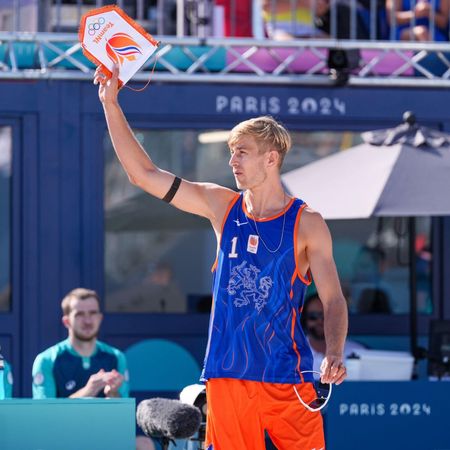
pixel 424 258
pixel 80 366
pixel 369 264
pixel 283 21
pixel 7 380
pixel 413 19
pixel 318 19
pixel 343 12
pixel 368 269
pixel 379 23
pixel 237 17
pixel 204 304
pixel 373 301
pixel 313 326
pixel 157 292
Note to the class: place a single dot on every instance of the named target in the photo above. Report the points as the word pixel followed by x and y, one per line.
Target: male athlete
pixel 80 366
pixel 269 245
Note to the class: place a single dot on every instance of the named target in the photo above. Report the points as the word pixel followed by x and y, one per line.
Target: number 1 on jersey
pixel 233 253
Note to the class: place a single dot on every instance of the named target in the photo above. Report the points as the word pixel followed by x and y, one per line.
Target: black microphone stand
pixel 165 441
pixel 200 436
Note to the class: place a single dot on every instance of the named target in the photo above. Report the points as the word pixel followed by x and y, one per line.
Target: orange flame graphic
pixel 121 47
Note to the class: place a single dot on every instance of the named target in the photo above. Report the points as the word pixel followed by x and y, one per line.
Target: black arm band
pixel 173 190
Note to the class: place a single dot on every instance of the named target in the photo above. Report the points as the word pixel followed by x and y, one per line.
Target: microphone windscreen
pixel 166 418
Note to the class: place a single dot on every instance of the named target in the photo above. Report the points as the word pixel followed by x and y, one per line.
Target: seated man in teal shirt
pixel 80 366
pixel 8 381
pixel 6 388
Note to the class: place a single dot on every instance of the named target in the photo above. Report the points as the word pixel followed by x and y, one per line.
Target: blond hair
pixel 267 132
pixel 78 294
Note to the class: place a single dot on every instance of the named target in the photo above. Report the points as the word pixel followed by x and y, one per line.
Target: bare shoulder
pixel 219 191
pixel 204 199
pixel 218 198
pixel 312 225
pixel 312 218
pixel 218 195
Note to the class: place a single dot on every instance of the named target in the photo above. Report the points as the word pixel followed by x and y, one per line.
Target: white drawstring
pixel 305 404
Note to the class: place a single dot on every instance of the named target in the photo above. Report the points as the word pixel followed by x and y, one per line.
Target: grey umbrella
pixel 402 171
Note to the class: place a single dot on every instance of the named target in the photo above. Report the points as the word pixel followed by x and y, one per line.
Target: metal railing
pixel 52 53
pixel 214 60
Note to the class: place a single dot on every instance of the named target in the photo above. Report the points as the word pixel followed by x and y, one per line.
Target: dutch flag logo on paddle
pixel 121 46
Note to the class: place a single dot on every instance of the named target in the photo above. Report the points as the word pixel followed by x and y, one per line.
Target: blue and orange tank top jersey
pixel 258 292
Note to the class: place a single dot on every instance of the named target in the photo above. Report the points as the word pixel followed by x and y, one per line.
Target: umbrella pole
pixel 413 288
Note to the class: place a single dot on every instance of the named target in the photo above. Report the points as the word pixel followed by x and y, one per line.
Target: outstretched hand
pixel 108 87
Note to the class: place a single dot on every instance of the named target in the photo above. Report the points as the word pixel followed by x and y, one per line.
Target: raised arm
pixel 319 254
pixel 204 199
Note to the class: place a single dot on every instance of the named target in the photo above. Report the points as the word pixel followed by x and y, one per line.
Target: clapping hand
pixel 114 380
pixel 109 382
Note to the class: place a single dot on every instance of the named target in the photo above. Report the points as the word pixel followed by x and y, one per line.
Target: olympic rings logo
pixel 93 27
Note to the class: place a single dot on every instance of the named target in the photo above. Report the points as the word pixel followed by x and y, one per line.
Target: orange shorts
pixel 239 411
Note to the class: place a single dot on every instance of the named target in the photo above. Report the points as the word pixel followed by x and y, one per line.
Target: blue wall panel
pixel 59 210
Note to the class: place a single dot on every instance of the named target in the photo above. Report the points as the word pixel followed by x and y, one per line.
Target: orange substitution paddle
pixel 108 36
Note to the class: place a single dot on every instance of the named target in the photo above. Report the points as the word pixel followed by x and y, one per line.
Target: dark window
pixel 5 217
pixel 158 259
